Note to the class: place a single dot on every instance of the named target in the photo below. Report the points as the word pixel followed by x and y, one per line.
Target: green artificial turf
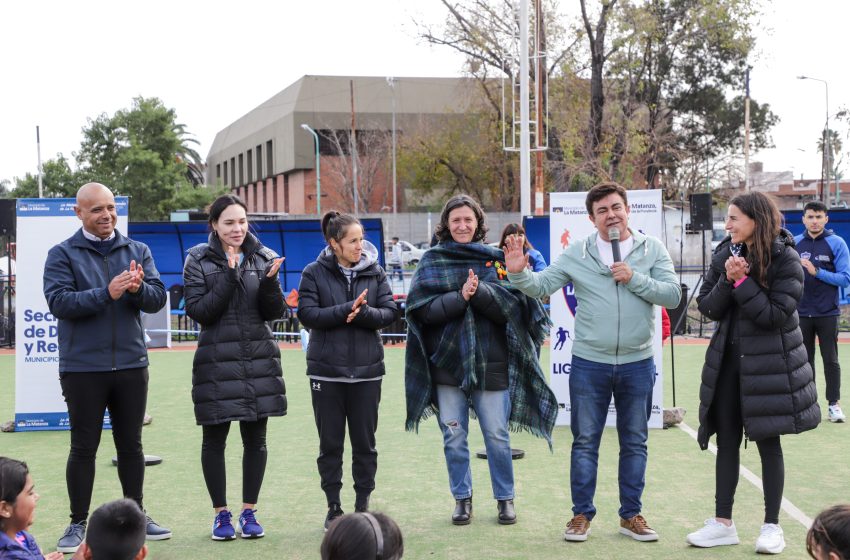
pixel 412 484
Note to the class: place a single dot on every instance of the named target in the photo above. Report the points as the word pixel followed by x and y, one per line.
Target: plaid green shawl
pixel 463 345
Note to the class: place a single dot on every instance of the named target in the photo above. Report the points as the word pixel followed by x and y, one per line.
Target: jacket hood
pixel 368 257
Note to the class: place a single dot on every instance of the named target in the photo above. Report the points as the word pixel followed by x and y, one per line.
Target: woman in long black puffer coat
pixel 344 299
pixel 232 290
pixel 756 381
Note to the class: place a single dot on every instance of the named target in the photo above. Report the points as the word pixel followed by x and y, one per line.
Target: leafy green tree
pixel 140 152
pixel 187 198
pixel 58 180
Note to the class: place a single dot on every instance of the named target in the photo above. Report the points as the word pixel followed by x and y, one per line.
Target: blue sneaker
pixel 72 539
pixel 222 529
pixel 248 525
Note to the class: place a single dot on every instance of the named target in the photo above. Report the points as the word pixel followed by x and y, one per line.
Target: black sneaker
pixel 72 539
pixel 154 532
pixel 334 511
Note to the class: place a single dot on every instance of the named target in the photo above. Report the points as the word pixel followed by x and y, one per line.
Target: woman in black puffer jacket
pixel 232 290
pixel 344 298
pixel 756 380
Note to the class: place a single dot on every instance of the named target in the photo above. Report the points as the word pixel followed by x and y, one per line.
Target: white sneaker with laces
pixel 771 540
pixel 836 414
pixel 714 533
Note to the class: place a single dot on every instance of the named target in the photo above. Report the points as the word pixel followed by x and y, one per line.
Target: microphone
pixel 614 236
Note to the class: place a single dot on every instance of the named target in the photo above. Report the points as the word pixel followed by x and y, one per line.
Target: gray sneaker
pixel 72 539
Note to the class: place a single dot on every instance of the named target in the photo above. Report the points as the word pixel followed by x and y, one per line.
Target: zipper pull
pixel 746 439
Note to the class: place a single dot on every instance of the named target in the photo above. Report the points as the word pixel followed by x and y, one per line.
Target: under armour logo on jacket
pixel 316 386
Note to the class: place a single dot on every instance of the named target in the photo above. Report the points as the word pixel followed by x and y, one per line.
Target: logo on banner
pixel 570 298
pixel 565 238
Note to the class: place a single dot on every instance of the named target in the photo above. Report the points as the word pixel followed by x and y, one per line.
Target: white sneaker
pixel 771 540
pixel 836 414
pixel 714 533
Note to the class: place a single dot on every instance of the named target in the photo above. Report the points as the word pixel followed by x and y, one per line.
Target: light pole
pixel 827 152
pixel 391 82
pixel 318 170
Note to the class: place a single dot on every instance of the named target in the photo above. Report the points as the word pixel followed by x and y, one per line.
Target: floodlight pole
pixel 318 170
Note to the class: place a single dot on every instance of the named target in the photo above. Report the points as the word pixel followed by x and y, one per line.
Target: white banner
pixel 569 223
pixel 42 223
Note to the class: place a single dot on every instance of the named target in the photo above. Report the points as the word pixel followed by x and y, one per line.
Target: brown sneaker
pixel 577 529
pixel 637 529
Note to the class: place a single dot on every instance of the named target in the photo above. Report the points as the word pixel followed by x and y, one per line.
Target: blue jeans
pixel 493 409
pixel 591 386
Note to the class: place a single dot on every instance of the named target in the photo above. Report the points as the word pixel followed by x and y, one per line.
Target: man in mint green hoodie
pixel 612 347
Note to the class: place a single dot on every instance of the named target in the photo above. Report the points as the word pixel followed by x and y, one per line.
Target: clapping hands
pixel 470 286
pixel 355 308
pixel 128 281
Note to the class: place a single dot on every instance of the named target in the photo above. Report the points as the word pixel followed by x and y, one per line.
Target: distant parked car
pixel 410 255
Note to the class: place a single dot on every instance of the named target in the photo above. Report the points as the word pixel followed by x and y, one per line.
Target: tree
pixel 58 181
pixel 371 155
pixel 137 153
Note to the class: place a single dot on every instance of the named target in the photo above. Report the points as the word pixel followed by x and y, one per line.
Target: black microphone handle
pixel 615 248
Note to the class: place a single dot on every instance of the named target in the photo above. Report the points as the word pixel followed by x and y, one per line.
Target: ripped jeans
pixel 493 409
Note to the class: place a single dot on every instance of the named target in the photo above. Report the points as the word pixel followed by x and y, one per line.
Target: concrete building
pixel 269 160
pixel 790 193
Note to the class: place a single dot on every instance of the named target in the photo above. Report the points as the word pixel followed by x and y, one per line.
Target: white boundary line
pixel 789 508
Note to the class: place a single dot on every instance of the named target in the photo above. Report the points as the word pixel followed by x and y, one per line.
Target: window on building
pixel 225 174
pixel 241 170
pixel 218 171
pixel 250 154
pixel 259 150
pixel 233 171
pixel 269 159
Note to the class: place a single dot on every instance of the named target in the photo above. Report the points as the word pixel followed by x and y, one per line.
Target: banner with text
pixel 42 223
pixel 569 223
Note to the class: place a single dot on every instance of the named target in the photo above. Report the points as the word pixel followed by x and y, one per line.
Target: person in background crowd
pixel 18 499
pixel 829 536
pixel 472 342
pixel 536 262
pixel 363 536
pixel 756 379
pixel 96 283
pixel 826 261
pixel 232 290
pixel 116 532
pixel 612 348
pixel 345 299
pixel 397 258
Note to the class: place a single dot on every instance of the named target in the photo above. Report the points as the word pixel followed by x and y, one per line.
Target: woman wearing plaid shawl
pixel 472 342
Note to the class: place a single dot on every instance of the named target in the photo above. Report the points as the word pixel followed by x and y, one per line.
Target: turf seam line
pixel 793 511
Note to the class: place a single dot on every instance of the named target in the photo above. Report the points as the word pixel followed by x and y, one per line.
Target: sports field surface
pixel 412 484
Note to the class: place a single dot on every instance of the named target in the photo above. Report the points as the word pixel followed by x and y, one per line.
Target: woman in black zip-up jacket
pixel 756 380
pixel 344 299
pixel 232 290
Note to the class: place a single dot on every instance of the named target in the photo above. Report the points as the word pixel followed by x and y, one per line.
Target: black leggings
pixel 726 410
pixel 254 455
pixel 88 395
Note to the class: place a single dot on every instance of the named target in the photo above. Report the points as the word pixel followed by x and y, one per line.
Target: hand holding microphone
pixel 621 271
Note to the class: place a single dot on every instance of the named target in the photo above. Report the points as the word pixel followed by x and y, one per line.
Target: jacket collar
pixel 589 245
pixel 79 240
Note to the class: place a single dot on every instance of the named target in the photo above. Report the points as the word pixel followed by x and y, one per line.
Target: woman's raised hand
pixel 232 257
pixel 515 259
pixel 275 267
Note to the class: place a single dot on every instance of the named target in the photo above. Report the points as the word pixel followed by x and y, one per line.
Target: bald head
pixel 96 209
pixel 90 190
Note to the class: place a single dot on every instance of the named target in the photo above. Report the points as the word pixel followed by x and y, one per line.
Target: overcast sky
pixel 64 62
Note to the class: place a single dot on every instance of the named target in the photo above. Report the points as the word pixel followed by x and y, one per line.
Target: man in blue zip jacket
pixel 96 284
pixel 825 259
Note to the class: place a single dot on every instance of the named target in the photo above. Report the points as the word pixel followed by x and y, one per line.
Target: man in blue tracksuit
pixel 825 258
pixel 96 284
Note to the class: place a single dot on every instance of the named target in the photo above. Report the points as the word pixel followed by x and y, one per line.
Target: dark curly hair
pixel 444 234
